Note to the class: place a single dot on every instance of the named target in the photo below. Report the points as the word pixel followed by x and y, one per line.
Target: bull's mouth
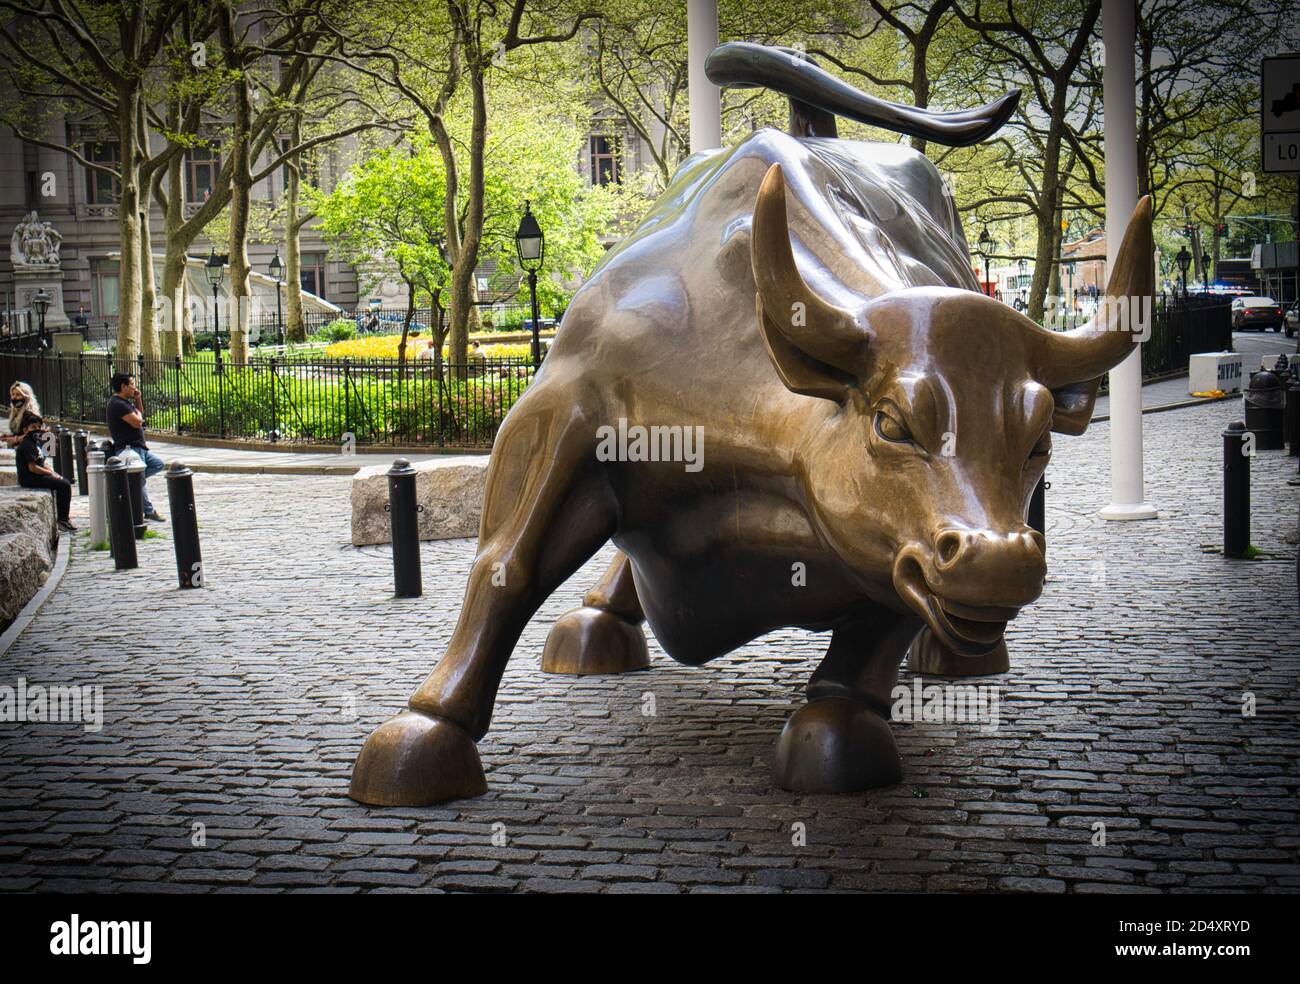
pixel 967 630
pixel 964 629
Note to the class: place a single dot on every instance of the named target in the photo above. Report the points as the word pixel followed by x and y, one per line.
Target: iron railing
pixel 288 400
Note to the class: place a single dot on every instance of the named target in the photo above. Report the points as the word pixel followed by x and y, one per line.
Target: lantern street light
pixel 1022 265
pixel 276 269
pixel 530 243
pixel 986 247
pixel 41 303
pixel 215 270
pixel 1205 270
pixel 1184 260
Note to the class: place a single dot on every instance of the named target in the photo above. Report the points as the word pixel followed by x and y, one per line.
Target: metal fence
pixel 286 400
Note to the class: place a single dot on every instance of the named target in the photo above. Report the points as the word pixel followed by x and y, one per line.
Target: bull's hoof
pixel 836 745
pixel 414 759
pixel 929 657
pixel 589 640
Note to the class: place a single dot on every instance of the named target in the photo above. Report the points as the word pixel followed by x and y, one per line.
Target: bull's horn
pixel 822 330
pixel 1087 352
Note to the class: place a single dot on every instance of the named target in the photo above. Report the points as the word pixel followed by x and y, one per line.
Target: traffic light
pixel 1221 229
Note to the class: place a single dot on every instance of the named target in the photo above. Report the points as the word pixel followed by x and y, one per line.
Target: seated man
pixel 33 473
pixel 126 428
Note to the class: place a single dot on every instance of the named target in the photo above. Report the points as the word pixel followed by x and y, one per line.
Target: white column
pixel 705 97
pixel 1119 35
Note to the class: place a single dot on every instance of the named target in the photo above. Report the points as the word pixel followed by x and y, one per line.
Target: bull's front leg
pixel 543 517
pixel 840 741
pixel 604 635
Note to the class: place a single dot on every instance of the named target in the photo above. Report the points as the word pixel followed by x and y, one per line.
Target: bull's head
pixel 942 404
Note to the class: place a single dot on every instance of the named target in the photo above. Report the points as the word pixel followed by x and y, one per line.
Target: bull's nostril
pixel 947 546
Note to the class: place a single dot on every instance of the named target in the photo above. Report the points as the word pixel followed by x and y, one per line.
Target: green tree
pixel 387 214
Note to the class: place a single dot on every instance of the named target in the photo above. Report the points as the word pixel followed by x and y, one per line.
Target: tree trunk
pixel 148 292
pixel 406 328
pixel 240 202
pixel 128 221
pixel 295 330
pixel 175 314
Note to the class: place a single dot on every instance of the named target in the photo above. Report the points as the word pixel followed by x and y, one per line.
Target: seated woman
pixel 34 473
pixel 21 400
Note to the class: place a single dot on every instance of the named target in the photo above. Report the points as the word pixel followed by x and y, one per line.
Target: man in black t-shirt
pixel 126 427
pixel 34 473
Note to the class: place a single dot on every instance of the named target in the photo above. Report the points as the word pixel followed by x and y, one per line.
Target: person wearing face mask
pixel 22 400
pixel 34 472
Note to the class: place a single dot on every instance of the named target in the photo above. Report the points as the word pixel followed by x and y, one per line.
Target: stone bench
pixel 28 537
pixel 450 490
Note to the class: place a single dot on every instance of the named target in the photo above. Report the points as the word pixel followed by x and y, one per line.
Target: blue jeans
pixel 152 466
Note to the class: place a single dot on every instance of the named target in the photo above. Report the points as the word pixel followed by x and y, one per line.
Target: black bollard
pixel 1236 490
pixel 1038 507
pixel 80 442
pixel 63 458
pixel 121 530
pixel 403 521
pixel 1291 422
pixel 135 484
pixel 185 525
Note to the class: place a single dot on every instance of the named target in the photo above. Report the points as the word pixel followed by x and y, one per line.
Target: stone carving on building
pixel 34 243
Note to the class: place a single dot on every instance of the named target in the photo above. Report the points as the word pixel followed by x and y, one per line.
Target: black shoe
pixel 154 516
pixel 66 526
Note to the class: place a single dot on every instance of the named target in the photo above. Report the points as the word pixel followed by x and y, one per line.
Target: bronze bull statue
pixel 871 429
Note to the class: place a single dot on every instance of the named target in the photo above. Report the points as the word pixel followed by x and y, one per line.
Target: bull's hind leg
pixel 840 742
pixel 604 635
pixel 544 515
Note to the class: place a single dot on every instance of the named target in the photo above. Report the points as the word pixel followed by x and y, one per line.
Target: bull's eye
pixel 1044 446
pixel 891 429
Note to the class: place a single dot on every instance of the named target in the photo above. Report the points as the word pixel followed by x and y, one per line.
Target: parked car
pixel 1249 313
pixel 1292 319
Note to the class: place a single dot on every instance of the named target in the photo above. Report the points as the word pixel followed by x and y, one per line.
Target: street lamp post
pixel 531 244
pixel 1184 259
pixel 41 303
pixel 214 269
pixel 1022 265
pixel 986 247
pixel 276 269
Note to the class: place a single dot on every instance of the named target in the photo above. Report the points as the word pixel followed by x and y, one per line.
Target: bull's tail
pixel 817 97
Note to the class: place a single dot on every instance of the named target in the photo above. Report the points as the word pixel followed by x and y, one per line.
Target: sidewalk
pixel 1163 394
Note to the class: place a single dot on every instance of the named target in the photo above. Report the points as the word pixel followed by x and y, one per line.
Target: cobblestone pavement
pixel 240 708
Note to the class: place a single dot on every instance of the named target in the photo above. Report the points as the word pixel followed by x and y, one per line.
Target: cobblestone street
pixel 241 707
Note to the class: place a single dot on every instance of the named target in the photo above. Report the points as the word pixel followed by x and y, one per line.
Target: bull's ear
pixel 1074 403
pixel 800 372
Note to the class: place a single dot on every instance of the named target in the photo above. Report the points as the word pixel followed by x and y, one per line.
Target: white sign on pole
pixel 1279 113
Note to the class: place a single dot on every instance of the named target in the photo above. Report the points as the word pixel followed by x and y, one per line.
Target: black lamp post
pixel 276 269
pixel 41 304
pixel 1184 260
pixel 531 245
pixel 1205 269
pixel 986 247
pixel 215 270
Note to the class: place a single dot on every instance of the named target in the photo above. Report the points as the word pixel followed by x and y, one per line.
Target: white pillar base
pixel 1123 511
